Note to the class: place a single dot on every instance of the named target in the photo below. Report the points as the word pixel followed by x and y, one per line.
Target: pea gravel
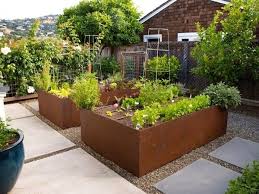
pixel 236 128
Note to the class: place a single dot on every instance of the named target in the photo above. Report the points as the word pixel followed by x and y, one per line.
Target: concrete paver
pixel 238 151
pixel 201 177
pixel 72 172
pixel 34 105
pixel 39 138
pixel 16 111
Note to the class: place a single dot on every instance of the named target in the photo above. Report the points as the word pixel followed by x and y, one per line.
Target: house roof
pixel 168 3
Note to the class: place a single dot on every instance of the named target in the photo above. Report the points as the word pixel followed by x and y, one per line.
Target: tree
pixel 118 20
pixel 226 51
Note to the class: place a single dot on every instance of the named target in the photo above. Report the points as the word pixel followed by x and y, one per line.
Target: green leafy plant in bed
pixel 7 135
pixel 185 106
pixel 151 114
pixel 223 95
pixel 248 183
pixel 156 91
pixel 146 117
pixel 61 92
pixel 85 92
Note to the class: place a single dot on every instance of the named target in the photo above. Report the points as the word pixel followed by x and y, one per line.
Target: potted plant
pixel 11 156
pixel 158 127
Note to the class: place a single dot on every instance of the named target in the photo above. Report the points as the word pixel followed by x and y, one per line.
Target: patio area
pixel 58 161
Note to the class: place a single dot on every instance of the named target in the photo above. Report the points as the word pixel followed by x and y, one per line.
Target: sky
pixel 14 9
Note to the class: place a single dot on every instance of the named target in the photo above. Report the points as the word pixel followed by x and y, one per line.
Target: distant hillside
pixel 19 27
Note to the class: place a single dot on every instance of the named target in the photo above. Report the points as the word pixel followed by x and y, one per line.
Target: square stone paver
pixel 238 151
pixel 40 138
pixel 34 105
pixel 201 177
pixel 16 111
pixel 72 172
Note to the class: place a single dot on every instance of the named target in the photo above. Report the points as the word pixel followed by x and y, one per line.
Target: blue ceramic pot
pixel 11 162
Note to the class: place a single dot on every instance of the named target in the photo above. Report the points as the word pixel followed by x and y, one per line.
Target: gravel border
pixel 146 182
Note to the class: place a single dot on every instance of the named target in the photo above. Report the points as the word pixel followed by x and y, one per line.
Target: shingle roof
pixel 168 3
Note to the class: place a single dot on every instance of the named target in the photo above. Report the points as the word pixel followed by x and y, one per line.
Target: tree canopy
pixel 118 20
pixel 227 49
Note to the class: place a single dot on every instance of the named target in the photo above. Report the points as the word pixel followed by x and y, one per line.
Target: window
pixel 189 36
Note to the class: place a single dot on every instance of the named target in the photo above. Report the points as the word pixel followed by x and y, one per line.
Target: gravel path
pixel 238 121
pixel 240 125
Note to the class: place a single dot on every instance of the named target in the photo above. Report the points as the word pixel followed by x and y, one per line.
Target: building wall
pixel 183 15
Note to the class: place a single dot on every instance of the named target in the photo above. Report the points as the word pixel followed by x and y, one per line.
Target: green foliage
pixel 108 66
pixel 118 20
pixel 151 114
pixel 7 135
pixel 34 29
pixel 61 92
pixel 156 91
pixel 185 107
pixel 226 51
pixel 162 65
pixel 85 92
pixel 223 95
pixel 248 183
pixel 130 103
pixel 42 81
pixel 146 117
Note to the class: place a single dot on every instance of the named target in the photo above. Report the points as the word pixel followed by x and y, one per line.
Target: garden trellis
pixel 133 64
pixel 156 47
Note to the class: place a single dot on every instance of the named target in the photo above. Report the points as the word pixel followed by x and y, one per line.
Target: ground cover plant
pixel 8 136
pixel 248 183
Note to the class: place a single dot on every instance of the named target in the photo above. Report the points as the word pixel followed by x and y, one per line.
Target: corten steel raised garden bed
pixel 63 112
pixel 142 151
pixel 60 111
pixel 109 97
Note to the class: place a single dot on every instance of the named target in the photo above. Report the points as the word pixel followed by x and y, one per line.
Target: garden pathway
pixel 55 165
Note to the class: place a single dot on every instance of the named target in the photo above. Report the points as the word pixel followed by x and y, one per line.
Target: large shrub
pixel 226 51
pixel 223 95
pixel 85 92
pixel 117 19
pixel 248 183
pixel 163 67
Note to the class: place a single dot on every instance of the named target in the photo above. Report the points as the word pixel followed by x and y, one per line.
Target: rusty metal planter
pixel 108 97
pixel 63 112
pixel 141 152
pixel 60 111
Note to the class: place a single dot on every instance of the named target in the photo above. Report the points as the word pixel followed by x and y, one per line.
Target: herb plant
pixel 248 183
pixel 223 95
pixel 43 80
pixel 130 103
pixel 85 92
pixel 7 135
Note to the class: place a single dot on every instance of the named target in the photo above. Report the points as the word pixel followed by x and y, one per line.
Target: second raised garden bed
pixel 63 112
pixel 142 151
